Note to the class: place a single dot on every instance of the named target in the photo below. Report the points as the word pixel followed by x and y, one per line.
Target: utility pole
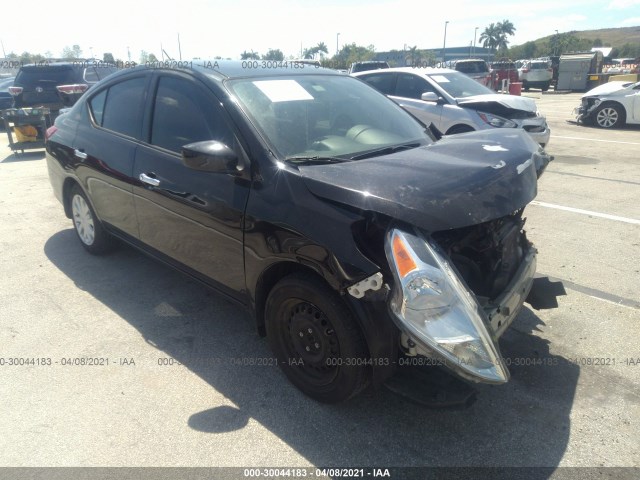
pixel 444 43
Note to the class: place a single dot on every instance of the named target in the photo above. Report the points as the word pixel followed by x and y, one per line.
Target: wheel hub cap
pixel 607 117
pixel 83 220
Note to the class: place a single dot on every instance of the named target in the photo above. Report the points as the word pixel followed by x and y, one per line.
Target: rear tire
pixel 318 344
pixel 89 230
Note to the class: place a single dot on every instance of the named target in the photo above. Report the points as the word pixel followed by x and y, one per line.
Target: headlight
pixel 496 121
pixel 434 307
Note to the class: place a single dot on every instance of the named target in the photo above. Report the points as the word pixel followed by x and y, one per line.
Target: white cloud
pixel 631 21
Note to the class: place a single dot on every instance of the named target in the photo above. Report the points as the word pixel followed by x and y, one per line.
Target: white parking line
pixel 595 140
pixel 587 212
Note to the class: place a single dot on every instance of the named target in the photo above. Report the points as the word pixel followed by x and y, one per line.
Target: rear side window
pixel 472 67
pixel 184 113
pixel 90 75
pixel 539 66
pixel 383 82
pixel 104 71
pixel 118 107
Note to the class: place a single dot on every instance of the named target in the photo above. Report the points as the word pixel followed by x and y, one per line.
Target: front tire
pixel 608 116
pixel 317 343
pixel 90 231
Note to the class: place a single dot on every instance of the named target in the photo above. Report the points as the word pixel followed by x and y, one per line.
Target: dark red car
pixel 503 70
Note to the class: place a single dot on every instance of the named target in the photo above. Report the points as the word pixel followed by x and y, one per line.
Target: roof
pixel 253 68
pixel 419 71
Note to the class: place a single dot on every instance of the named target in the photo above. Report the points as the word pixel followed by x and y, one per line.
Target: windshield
pixel 459 85
pixel 324 115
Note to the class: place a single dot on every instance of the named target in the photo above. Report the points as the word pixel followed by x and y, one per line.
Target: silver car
pixel 455 103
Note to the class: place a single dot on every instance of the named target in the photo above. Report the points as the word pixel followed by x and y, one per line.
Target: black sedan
pixel 355 238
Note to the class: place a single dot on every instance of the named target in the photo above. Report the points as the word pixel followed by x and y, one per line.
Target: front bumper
pixel 537 128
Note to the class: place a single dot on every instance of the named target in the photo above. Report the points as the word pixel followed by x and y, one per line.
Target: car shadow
pixel 23 157
pixel 523 423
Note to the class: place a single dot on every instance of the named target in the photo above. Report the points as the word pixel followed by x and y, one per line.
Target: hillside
pixel 611 37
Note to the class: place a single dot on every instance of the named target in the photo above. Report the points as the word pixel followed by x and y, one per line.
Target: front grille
pixel 534 128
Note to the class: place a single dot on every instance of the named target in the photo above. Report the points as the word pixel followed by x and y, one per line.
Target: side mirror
pixel 210 156
pixel 429 97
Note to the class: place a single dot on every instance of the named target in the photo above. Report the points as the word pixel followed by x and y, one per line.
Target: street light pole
pixel 337 37
pixel 474 40
pixel 444 43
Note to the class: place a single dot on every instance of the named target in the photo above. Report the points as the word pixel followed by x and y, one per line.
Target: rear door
pixel 104 149
pixel 192 218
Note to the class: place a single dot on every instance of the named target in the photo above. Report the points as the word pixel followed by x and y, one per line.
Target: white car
pixel 455 103
pixel 536 74
pixel 611 105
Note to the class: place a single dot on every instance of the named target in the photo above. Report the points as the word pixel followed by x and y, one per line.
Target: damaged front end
pixel 587 107
pixel 455 292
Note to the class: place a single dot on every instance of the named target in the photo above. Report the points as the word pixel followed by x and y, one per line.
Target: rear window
pixel 362 67
pixel 58 75
pixel 504 66
pixel 539 66
pixel 472 67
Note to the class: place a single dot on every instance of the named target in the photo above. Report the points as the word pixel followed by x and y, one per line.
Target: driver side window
pixel 183 113
pixel 412 86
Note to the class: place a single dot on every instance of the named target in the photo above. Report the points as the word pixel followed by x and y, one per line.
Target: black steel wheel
pixel 315 339
pixel 90 231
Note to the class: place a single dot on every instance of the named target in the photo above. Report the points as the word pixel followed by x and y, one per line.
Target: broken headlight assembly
pixel 434 308
pixel 496 121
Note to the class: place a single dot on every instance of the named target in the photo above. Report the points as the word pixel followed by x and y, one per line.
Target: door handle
pixel 80 154
pixel 144 178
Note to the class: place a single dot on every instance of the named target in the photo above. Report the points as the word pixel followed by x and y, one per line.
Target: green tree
pixel 350 53
pixel 273 55
pixel 249 55
pixel 71 53
pixel 108 58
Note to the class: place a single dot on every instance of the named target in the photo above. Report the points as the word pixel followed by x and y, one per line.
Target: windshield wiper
pixel 386 150
pixel 314 160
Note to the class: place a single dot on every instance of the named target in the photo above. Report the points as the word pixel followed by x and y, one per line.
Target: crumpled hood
pixel 507 101
pixel 455 182
pixel 606 88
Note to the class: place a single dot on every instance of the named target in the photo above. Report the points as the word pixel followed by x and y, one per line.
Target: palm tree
pixel 494 36
pixel 505 28
pixel 414 56
pixel 322 48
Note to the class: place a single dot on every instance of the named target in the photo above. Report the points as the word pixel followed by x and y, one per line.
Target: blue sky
pixel 214 28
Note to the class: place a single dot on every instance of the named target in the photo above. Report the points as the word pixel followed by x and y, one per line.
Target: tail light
pixel 15 91
pixel 75 88
pixel 50 131
pixel 525 70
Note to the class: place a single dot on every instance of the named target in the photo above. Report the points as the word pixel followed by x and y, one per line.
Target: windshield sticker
pixel 440 78
pixel 283 90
